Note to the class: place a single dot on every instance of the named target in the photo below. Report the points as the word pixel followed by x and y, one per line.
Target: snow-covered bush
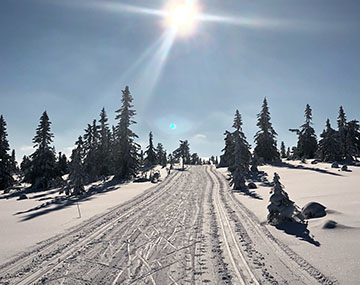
pixel 281 208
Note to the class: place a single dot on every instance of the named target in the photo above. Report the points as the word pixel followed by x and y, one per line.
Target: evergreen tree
pixel 43 160
pixel 6 178
pixel 328 149
pixel 307 143
pixel 150 159
pixel 265 138
pixel 25 166
pixel 283 150
pixel 241 155
pixel 126 150
pixel 103 157
pixel 288 153
pixel 341 122
pixel 194 159
pixel 62 164
pixel 281 208
pixel 161 155
pixel 183 152
pixel 227 158
pixel 352 140
pixel 13 163
pixel 77 173
pixel 91 149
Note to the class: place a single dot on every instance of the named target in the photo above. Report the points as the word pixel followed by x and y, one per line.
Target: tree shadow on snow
pixel 249 193
pixel 298 230
pixel 59 203
pixel 261 177
pixel 302 167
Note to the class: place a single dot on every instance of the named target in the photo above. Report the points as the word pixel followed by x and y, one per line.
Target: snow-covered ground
pixel 335 252
pixel 24 223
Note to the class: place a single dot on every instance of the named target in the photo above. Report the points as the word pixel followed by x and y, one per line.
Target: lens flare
pixel 182 16
pixel 172 126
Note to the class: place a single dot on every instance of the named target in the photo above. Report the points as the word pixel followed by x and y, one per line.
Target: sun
pixel 182 17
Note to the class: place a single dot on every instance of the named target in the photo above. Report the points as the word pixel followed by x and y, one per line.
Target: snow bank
pixel 338 250
pixel 45 214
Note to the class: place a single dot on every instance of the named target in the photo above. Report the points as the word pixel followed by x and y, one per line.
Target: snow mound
pixel 330 224
pixel 313 210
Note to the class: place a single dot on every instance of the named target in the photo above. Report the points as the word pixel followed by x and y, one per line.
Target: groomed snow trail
pixel 189 229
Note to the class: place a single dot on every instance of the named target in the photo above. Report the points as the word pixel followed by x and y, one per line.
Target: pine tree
pixel 91 149
pixel 103 155
pixel 307 143
pixel 328 149
pixel 62 166
pixel 352 140
pixel 341 122
pixel 183 152
pixel 227 158
pixel 281 208
pixel 43 160
pixel 241 155
pixel 283 150
pixel 194 159
pixel 161 155
pixel 77 173
pixel 25 167
pixel 126 150
pixel 150 159
pixel 13 163
pixel 288 153
pixel 6 178
pixel 265 138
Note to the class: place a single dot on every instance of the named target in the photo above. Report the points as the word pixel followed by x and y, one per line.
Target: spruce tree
pixel 13 163
pixel 103 157
pixel 281 208
pixel 126 150
pixel 307 143
pixel 341 122
pixel 183 152
pixel 265 138
pixel 241 155
pixel 161 155
pixel 352 140
pixel 328 149
pixel 283 150
pixel 43 160
pixel 77 173
pixel 6 178
pixel 194 159
pixel 150 159
pixel 91 147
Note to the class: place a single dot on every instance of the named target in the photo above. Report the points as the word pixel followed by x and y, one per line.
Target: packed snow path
pixel 187 230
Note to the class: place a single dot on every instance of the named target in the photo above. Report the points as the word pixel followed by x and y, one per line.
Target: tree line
pixel 342 144
pixel 100 152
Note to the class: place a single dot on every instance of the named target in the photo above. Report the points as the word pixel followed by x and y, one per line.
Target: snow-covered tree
pixel 77 173
pixel 282 150
pixel 352 140
pixel 341 122
pixel 91 149
pixel 43 160
pixel 241 155
pixel 6 178
pixel 265 138
pixel 161 155
pixel 150 153
pixel 195 159
pixel 307 143
pixel 328 149
pixel 281 208
pixel 103 156
pixel 62 166
pixel 183 152
pixel 126 150
pixel 227 158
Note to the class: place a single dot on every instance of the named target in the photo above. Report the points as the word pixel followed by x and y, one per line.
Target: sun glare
pixel 182 17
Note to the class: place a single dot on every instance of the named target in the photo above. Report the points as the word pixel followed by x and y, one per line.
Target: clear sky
pixel 71 58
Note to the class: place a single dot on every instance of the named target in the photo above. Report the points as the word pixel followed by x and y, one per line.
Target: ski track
pixel 189 229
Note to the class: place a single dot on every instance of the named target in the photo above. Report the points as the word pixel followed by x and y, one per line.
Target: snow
pixel 335 252
pixel 27 222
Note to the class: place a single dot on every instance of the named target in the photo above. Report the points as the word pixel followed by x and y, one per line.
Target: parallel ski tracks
pixel 106 221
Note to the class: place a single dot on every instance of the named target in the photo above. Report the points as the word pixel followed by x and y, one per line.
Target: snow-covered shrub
pixel 281 208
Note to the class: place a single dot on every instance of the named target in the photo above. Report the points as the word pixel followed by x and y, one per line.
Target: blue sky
pixel 71 58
